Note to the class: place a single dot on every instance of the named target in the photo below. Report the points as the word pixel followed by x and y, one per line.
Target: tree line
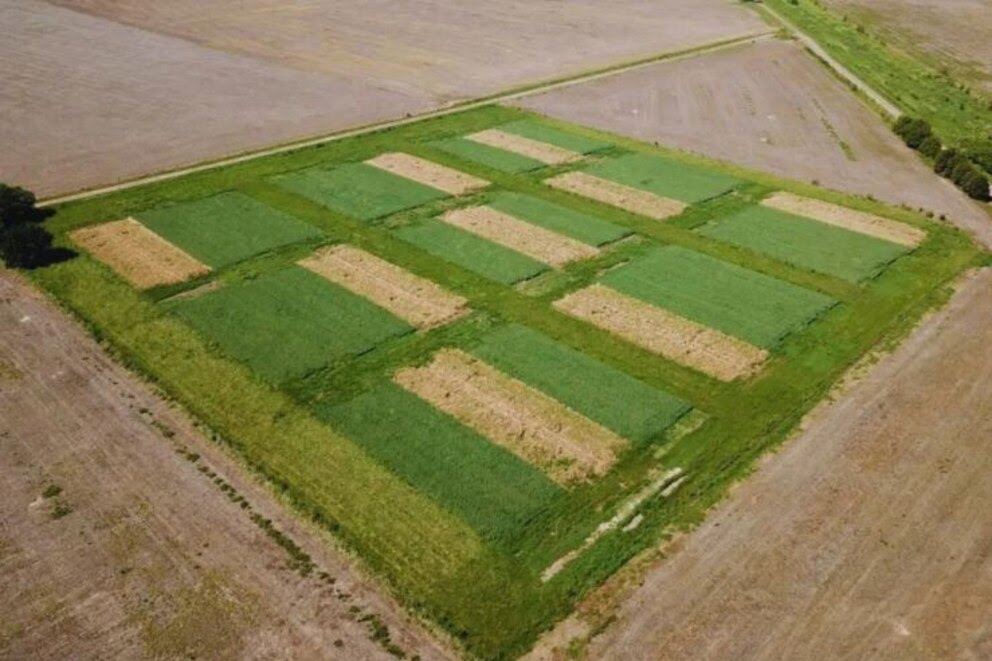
pixel 954 164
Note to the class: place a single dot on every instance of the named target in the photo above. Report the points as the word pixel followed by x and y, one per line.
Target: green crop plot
pixel 612 398
pixel 535 130
pixel 729 298
pixel 665 177
pixel 490 488
pixel 580 226
pixel 499 159
pixel 805 243
pixel 226 228
pixel 471 252
pixel 289 322
pixel 359 190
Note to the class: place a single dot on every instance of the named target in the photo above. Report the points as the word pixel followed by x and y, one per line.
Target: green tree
pixel 26 245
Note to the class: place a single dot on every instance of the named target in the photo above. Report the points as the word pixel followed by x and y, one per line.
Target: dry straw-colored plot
pixel 418 301
pixel 427 173
pixel 567 446
pixel 618 195
pixel 138 254
pixel 664 333
pixel 849 219
pixel 539 151
pixel 536 242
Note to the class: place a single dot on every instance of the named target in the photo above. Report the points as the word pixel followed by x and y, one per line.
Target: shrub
pixel 946 161
pixel 912 131
pixel 931 147
pixel 25 245
pixel 976 186
pixel 17 206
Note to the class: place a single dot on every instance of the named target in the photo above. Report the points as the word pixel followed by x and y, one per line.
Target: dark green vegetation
pixel 289 322
pixel 24 243
pixel 953 164
pixel 805 243
pixel 359 190
pixel 492 157
pixel 580 226
pixel 665 177
pixel 612 398
pixel 482 584
pixel 226 228
pixel 730 298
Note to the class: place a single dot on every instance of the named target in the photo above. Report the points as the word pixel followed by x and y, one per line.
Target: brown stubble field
pixel 770 106
pixel 97 91
pixel 867 536
pixel 152 558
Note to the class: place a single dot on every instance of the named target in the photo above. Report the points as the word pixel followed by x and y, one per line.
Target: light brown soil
pixel 138 254
pixel 153 560
pixel 567 446
pixel 536 242
pixel 416 300
pixel 539 151
pixel 772 107
pixel 664 333
pixel 428 173
pixel 868 536
pixel 617 195
pixel 849 219
pixel 955 33
pixel 263 72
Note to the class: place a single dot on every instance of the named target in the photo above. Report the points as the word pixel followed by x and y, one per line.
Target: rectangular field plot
pixel 541 132
pixel 470 252
pixel 137 254
pixel 225 228
pixel 581 226
pixel 846 218
pixel 490 488
pixel 614 399
pixel 661 176
pixel 567 446
pixel 545 152
pixel 416 300
pixel 359 190
pixel 805 243
pixel 288 323
pixel 734 300
pixel 498 159
pixel 621 196
pixel 428 173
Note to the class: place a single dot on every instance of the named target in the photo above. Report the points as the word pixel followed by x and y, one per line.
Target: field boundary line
pixel 470 104
pixel 889 108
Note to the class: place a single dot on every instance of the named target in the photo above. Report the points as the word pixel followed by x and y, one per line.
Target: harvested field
pixel 768 106
pixel 152 560
pixel 225 228
pixel 849 219
pixel 470 252
pixel 664 333
pixel 540 430
pixel 867 536
pixel 427 173
pixel 137 254
pixel 617 195
pixel 540 151
pixel 418 301
pixel 664 177
pixel 562 220
pixel 531 240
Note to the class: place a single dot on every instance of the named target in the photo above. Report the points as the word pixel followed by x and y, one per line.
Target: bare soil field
pixel 868 536
pixel 173 83
pixel 769 106
pixel 140 554
pixel 955 33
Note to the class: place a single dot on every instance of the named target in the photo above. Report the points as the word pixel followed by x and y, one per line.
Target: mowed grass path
pixel 490 488
pixel 287 323
pixel 805 243
pixel 612 398
pixel 577 225
pixel 665 177
pixel 729 298
pixel 226 228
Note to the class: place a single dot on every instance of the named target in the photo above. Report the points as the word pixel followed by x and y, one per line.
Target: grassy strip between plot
pixel 805 243
pixel 358 190
pixel 487 486
pixel 739 302
pixel 289 322
pixel 581 226
pixel 612 398
pixel 490 157
pixel 226 228
pixel 542 132
pixel 665 177
pixel 471 252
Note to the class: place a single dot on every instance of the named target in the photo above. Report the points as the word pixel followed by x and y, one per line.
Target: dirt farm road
pixel 152 559
pixel 868 536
